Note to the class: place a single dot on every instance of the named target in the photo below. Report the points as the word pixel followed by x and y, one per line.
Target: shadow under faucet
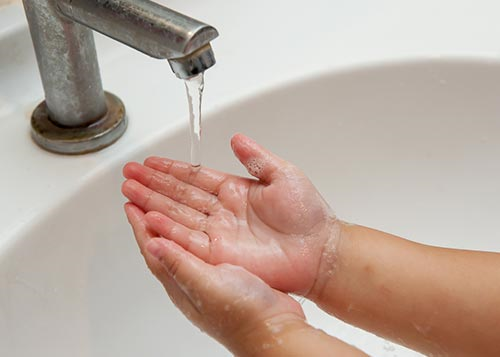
pixel 77 116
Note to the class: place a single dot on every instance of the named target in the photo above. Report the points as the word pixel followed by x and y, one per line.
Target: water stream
pixel 194 90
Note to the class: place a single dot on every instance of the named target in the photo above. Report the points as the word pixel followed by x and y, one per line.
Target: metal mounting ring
pixel 79 140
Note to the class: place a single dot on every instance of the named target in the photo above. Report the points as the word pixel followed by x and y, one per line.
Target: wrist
pixel 335 251
pixel 291 336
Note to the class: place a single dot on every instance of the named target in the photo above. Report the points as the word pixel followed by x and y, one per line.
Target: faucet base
pixel 79 140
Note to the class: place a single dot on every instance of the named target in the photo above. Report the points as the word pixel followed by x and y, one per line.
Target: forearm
pixel 435 300
pixel 295 337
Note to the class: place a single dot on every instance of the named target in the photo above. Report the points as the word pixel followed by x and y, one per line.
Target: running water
pixel 194 89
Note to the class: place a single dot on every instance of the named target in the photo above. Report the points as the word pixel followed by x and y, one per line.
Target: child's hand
pixel 229 303
pixel 276 227
pixel 438 301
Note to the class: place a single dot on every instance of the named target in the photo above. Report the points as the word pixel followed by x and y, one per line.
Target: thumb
pixel 259 162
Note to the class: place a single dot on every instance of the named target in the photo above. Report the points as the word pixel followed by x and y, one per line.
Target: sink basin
pixel 399 130
pixel 411 148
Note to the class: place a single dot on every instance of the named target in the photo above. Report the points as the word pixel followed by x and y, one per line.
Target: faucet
pixel 78 116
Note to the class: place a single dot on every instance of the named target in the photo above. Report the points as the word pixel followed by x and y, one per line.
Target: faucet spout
pixel 150 28
pixel 77 116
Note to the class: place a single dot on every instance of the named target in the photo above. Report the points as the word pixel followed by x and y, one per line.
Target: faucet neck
pixel 68 65
pixel 61 31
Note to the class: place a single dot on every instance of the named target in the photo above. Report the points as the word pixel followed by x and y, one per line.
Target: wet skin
pixel 204 234
pixel 195 226
pixel 276 226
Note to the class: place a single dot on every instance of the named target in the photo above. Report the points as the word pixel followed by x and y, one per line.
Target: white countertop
pixel 262 44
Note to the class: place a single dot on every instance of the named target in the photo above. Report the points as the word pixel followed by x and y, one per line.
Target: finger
pixel 173 188
pixel 193 275
pixel 259 162
pixel 206 179
pixel 195 242
pixel 149 200
pixel 143 235
pixel 177 295
pixel 176 261
pixel 135 217
pixel 221 284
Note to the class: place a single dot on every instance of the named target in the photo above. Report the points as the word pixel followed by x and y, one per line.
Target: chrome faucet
pixel 77 116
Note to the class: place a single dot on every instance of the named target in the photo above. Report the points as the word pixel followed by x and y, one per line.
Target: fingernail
pixel 155 248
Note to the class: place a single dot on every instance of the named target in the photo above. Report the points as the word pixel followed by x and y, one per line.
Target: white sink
pixel 410 147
